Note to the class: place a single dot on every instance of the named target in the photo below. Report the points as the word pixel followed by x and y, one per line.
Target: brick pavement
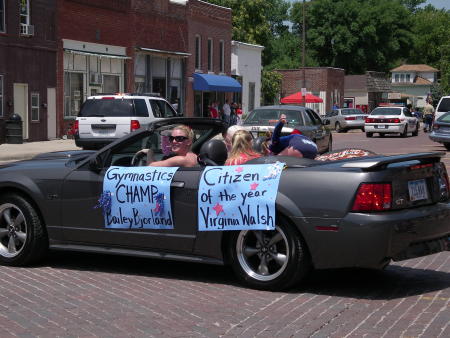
pixel 81 295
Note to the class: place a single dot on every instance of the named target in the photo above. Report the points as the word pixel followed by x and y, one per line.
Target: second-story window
pixel 24 10
pixel 221 56
pixel 198 48
pixel 210 55
pixel 2 16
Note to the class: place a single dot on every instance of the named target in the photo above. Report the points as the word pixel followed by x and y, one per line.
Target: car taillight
pixel 393 121
pixel 350 118
pixel 108 98
pixel 369 120
pixel 134 125
pixel 373 197
pixel 435 126
pixel 75 127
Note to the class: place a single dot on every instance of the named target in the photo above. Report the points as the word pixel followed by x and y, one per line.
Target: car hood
pixel 72 154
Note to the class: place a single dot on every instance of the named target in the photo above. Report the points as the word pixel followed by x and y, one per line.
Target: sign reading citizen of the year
pixel 137 197
pixel 238 197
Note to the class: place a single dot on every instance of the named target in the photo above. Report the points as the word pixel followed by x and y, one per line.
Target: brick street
pixel 83 295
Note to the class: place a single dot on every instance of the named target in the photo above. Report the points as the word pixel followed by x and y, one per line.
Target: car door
pixel 319 132
pixel 83 222
pixel 412 121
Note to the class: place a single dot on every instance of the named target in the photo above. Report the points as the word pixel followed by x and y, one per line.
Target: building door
pixel 51 113
pixel 21 105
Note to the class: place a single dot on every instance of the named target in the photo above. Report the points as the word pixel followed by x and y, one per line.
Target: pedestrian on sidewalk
pixel 428 116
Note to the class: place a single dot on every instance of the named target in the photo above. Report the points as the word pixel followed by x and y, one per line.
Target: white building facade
pixel 413 82
pixel 246 66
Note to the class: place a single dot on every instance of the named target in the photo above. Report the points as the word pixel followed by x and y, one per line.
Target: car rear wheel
pixel 447 146
pixel 369 134
pixel 338 127
pixel 382 134
pixel 416 131
pixel 405 132
pixel 269 260
pixel 23 239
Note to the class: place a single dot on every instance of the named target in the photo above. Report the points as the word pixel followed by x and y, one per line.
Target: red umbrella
pixel 297 98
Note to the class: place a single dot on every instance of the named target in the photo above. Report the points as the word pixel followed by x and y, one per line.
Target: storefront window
pixel 1 95
pixel 73 93
pixel 111 83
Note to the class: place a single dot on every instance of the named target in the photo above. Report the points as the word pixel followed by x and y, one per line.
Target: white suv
pixel 385 120
pixel 442 107
pixel 105 118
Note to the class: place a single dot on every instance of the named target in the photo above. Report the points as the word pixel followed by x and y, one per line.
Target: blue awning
pixel 216 83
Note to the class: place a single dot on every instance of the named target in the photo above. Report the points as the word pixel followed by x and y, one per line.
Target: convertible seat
pixel 212 152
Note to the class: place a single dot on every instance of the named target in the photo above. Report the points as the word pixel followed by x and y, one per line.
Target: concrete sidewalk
pixel 16 152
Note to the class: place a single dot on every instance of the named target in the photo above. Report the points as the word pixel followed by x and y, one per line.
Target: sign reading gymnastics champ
pixel 238 197
pixel 137 197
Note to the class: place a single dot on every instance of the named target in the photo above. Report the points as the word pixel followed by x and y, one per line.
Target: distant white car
pixel 387 120
pixel 105 118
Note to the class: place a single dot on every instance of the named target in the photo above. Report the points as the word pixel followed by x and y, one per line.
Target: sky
pixel 436 3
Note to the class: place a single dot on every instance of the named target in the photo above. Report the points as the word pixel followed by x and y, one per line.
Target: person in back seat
pixel 241 148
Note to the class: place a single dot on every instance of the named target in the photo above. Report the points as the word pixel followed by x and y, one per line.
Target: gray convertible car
pixel 356 212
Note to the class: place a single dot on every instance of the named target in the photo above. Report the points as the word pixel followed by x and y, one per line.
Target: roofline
pixel 214 5
pixel 234 42
pixel 300 68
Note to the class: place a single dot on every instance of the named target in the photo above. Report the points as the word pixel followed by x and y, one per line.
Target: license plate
pixel 417 190
pixel 105 131
pixel 381 127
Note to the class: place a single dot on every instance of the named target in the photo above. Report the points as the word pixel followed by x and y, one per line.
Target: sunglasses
pixel 178 138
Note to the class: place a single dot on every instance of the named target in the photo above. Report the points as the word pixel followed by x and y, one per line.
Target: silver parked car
pixel 346 118
pixel 441 130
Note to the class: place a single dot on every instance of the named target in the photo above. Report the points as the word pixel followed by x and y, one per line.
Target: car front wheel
pixel 23 239
pixel 269 260
pixel 416 131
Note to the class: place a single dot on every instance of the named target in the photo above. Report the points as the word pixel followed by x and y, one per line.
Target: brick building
pixel 27 66
pixel 97 46
pixel 324 82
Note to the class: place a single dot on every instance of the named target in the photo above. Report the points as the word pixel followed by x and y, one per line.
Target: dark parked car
pixel 358 212
pixel 263 119
pixel 441 130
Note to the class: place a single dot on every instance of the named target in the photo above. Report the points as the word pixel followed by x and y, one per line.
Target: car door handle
pixel 177 184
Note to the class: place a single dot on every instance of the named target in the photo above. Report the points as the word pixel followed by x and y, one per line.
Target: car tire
pixel 369 134
pixel 416 131
pixel 405 132
pixel 382 134
pixel 447 146
pixel 330 145
pixel 288 259
pixel 23 237
pixel 338 128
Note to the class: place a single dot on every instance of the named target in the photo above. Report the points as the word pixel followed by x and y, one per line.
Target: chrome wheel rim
pixel 263 255
pixel 13 230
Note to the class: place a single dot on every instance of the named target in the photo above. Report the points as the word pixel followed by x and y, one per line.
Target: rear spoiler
pixel 375 163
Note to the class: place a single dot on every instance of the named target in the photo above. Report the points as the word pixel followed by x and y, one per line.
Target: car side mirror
pixel 95 164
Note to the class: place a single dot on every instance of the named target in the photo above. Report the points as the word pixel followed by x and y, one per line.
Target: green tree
pixel 356 35
pixel 270 86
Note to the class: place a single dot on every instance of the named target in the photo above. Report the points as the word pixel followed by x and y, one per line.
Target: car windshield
pixel 271 116
pixel 444 118
pixel 386 111
pixel 107 107
pixel 444 106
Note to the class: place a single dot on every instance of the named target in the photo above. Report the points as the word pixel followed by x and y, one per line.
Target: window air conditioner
pixel 95 78
pixel 27 30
